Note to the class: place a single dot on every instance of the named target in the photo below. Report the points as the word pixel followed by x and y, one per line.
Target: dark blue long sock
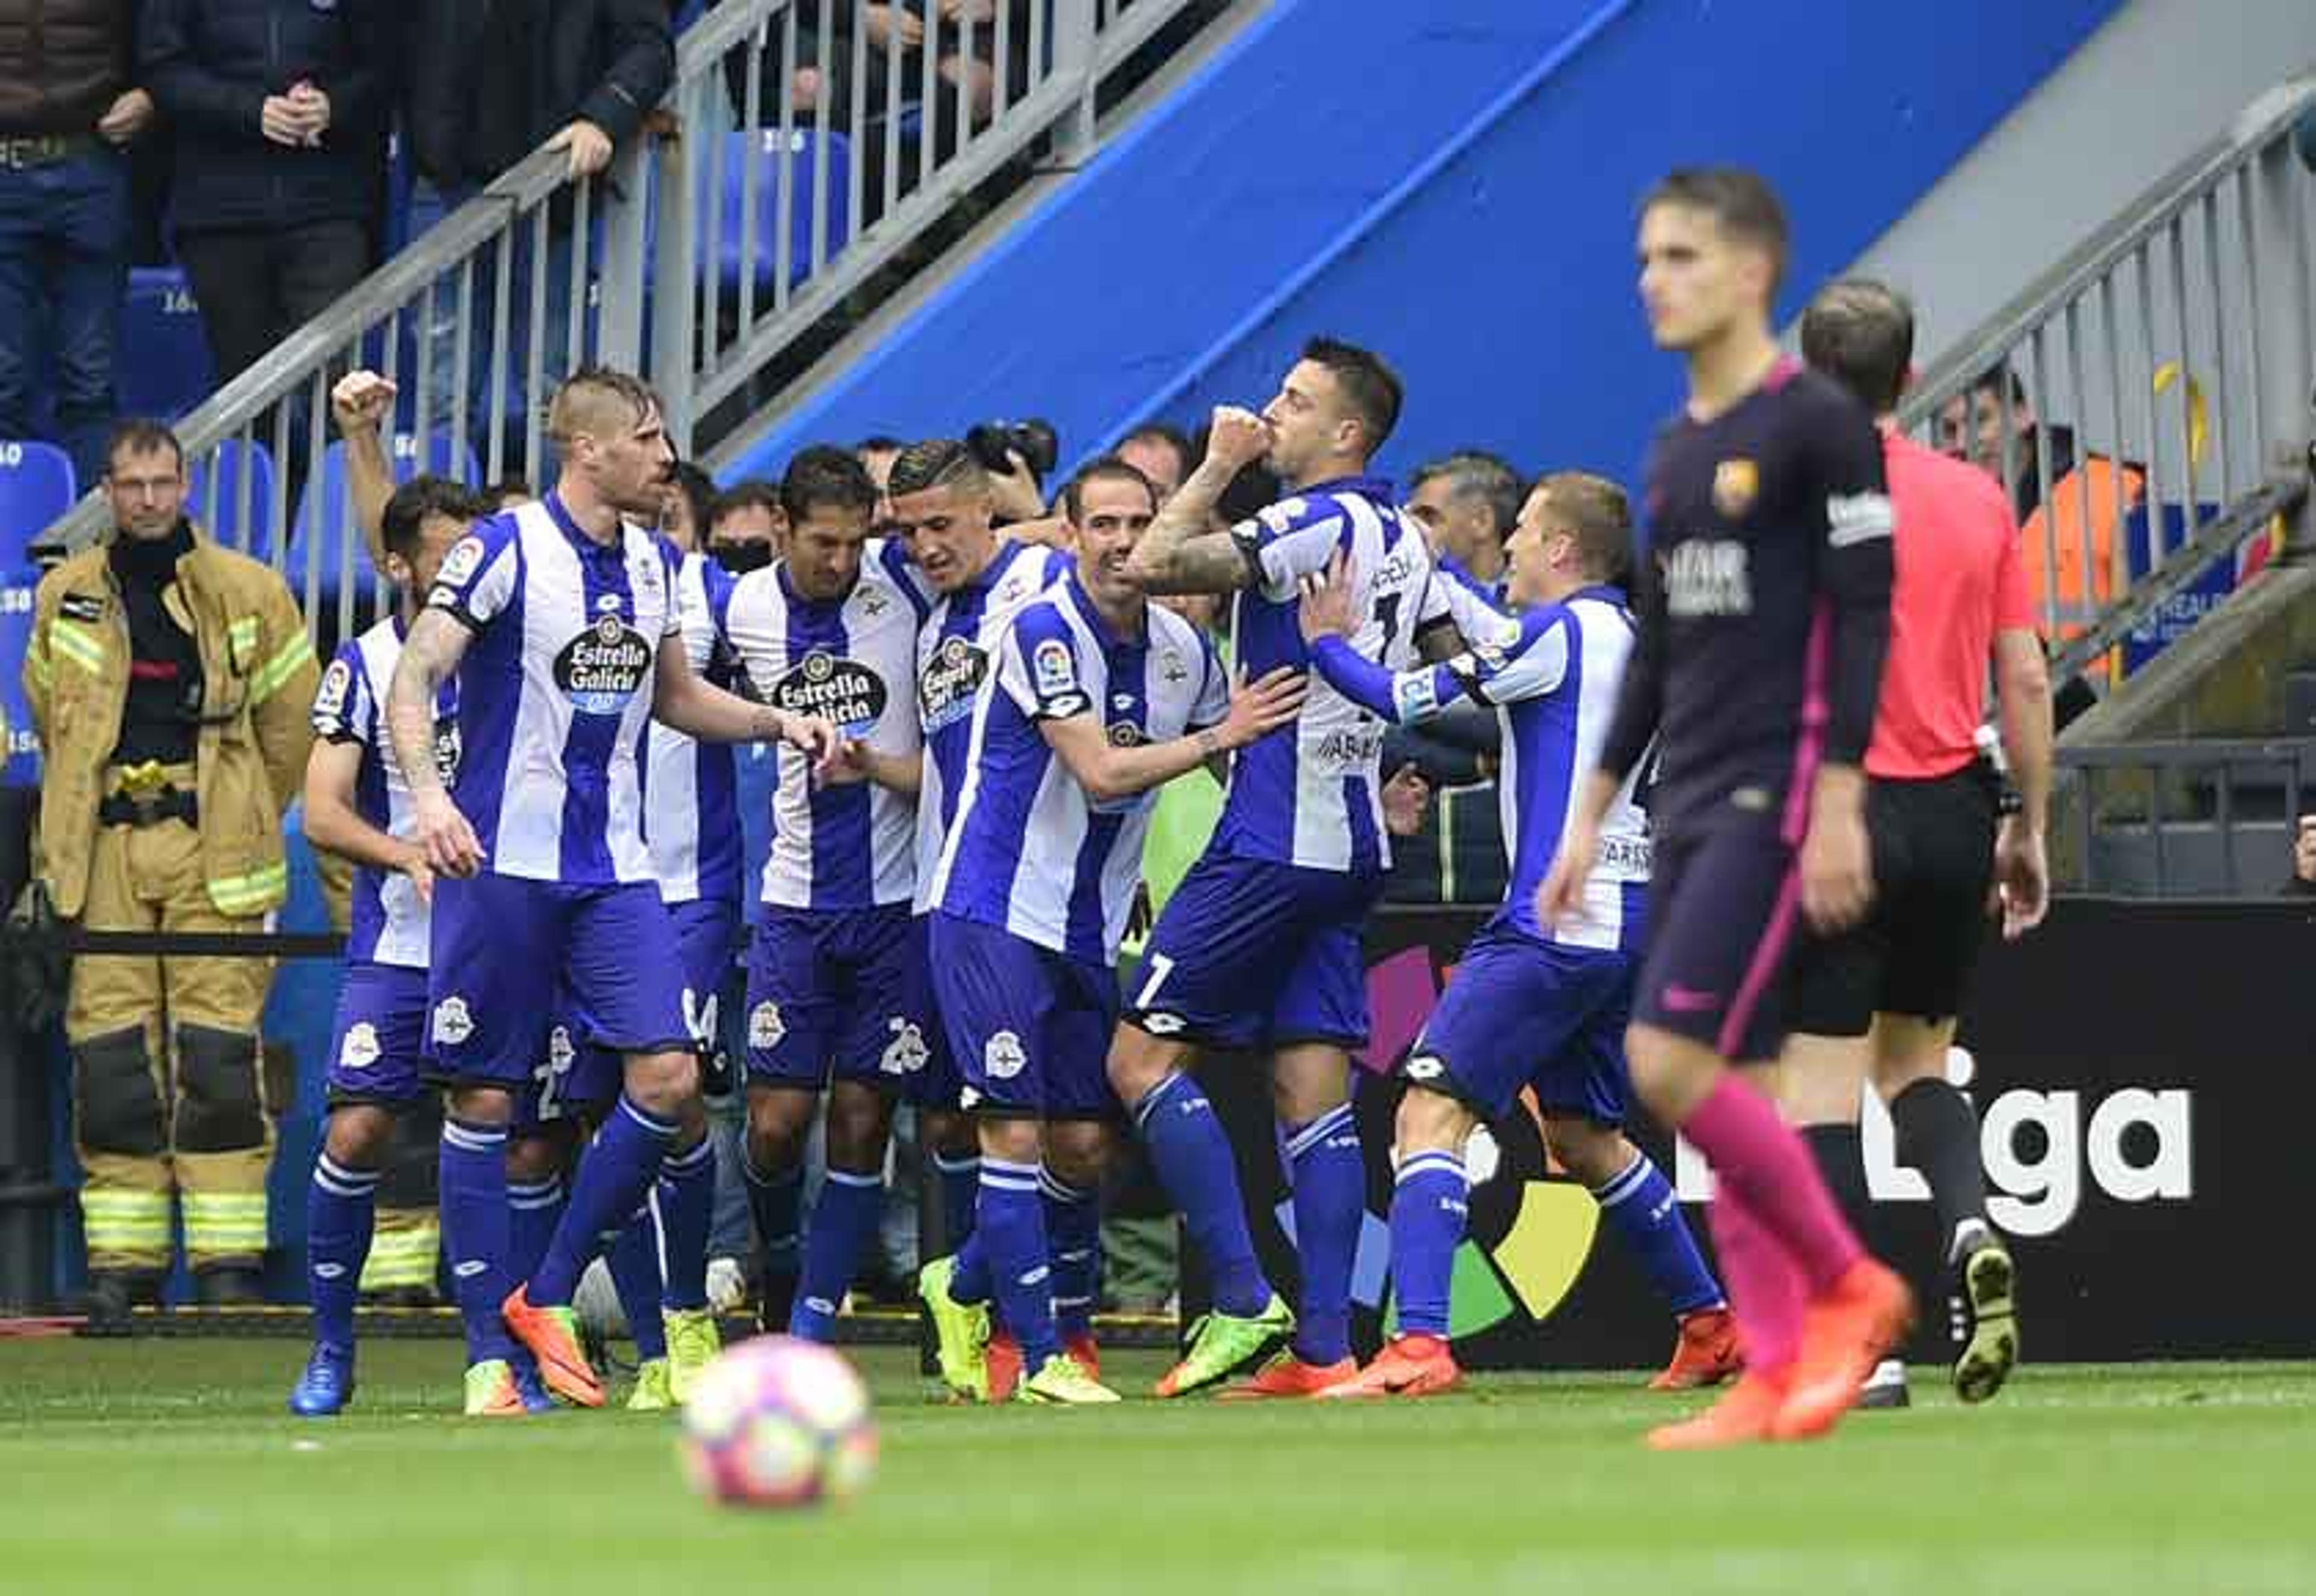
pixel 970 1280
pixel 842 1221
pixel 960 1187
pixel 1074 1231
pixel 1011 1229
pixel 1193 1158
pixel 1429 1206
pixel 1330 1200
pixel 634 1262
pixel 776 1203
pixel 620 1165
pixel 340 1211
pixel 535 1207
pixel 684 1201
pixel 1640 1203
pixel 475 1221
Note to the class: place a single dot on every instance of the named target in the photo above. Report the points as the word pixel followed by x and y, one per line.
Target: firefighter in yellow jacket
pixel 170 681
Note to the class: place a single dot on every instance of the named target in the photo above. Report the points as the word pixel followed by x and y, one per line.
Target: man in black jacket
pixel 278 109
pixel 491 81
pixel 69 108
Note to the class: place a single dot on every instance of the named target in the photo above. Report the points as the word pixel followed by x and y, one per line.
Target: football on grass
pixel 779 1423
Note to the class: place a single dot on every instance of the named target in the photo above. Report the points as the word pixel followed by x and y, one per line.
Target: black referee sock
pixel 1937 1135
pixel 1840 1159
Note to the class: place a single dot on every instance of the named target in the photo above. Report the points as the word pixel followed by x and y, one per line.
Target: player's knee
pixel 1077 1155
pixel 219 1109
pixel 860 1123
pixel 1137 1063
pixel 538 1155
pixel 1016 1141
pixel 777 1131
pixel 1430 1122
pixel 664 1083
pixel 360 1136
pixel 952 1133
pixel 119 1106
pixel 1594 1154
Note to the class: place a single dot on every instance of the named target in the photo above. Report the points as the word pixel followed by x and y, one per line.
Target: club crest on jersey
pixel 1003 1057
pixel 1736 484
pixel 1172 667
pixel 601 669
pixel 453 1023
pixel 361 1048
pixel 906 1053
pixel 946 687
pixel 843 690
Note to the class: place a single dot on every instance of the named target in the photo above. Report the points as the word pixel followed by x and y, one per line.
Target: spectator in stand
pixel 1973 424
pixel 277 111
pixel 1468 503
pixel 2303 882
pixel 876 454
pixel 69 107
pixel 747 527
pixel 495 79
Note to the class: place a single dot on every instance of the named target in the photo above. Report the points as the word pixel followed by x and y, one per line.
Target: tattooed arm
pixel 430 655
pixel 1177 553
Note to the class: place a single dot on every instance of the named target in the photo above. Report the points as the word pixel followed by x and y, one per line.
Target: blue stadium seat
pixel 36 487
pixel 762 146
pixel 164 371
pixel 224 524
pixel 322 520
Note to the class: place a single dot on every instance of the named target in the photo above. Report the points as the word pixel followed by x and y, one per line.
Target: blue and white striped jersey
pixel 1554 692
pixel 954 654
pixel 556 690
pixel 390 921
pixel 1310 794
pixel 1481 613
pixel 853 659
pixel 1029 851
pixel 692 823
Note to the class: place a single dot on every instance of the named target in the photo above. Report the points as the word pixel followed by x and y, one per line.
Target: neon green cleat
pixel 693 1344
pixel 962 1331
pixel 654 1392
pixel 490 1391
pixel 1221 1345
pixel 1064 1379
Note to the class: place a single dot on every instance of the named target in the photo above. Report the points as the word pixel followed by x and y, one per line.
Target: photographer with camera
pixel 1017 456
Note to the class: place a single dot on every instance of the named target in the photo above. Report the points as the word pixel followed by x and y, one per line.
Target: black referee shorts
pixel 1933 845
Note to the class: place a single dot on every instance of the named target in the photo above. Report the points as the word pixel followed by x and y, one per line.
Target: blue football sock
pixel 340 1211
pixel 960 1187
pixel 1194 1160
pixel 684 1203
pixel 633 1259
pixel 475 1222
pixel 535 1207
pixel 1011 1230
pixel 777 1204
pixel 1641 1205
pixel 969 1280
pixel 620 1165
pixel 1429 1206
pixel 1331 1182
pixel 1073 1230
pixel 842 1221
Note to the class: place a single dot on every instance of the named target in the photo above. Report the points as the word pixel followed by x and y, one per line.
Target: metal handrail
pixel 2173 355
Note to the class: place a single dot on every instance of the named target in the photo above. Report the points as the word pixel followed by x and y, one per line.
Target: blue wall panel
pixel 1454 185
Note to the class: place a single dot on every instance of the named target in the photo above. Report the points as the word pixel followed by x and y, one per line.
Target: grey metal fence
pixel 804 146
pixel 2148 399
pixel 2196 817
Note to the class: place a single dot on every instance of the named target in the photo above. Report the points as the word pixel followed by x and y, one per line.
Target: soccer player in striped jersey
pixel 838 1000
pixel 1765 615
pixel 1260 947
pixel 358 806
pixel 1532 1005
pixel 558 617
pixel 939 508
pixel 1098 696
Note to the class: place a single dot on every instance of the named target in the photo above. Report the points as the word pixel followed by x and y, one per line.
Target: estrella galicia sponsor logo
pixel 843 690
pixel 601 669
pixel 946 686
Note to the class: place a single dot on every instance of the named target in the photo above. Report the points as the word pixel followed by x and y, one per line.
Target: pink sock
pixel 1765 1288
pixel 1756 1153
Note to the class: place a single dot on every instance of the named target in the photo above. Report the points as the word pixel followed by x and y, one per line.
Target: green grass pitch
pixel 169 1469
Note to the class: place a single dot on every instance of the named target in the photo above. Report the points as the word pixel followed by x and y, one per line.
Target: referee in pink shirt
pixel 1950 851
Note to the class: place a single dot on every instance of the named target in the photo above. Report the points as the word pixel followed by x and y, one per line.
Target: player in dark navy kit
pixel 1765 614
